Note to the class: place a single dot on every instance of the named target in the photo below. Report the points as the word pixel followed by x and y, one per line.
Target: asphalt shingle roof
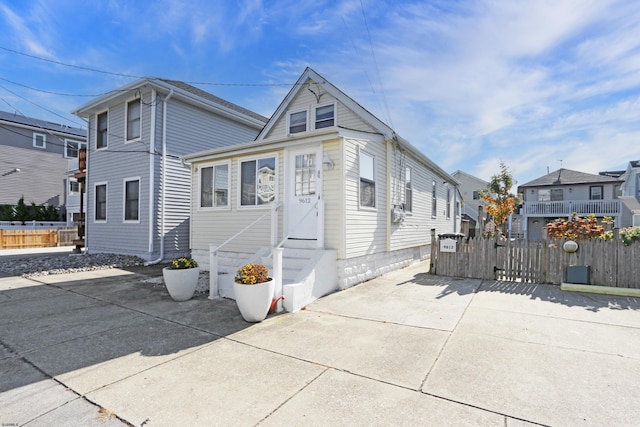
pixel 569 177
pixel 206 95
pixel 42 124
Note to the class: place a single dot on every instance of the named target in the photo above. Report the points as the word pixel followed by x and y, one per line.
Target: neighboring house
pixel 473 205
pixel 347 197
pixel 629 193
pixel 138 189
pixel 36 157
pixel 561 193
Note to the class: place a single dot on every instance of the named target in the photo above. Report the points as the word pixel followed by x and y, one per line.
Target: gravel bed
pixel 60 264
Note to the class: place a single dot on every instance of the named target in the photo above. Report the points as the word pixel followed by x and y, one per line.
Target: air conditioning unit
pixel 397 214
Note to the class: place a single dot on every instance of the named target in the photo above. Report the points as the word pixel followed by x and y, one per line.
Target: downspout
pixel 163 178
pixel 152 158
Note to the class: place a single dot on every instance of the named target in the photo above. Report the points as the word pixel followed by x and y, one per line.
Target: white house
pixel 344 195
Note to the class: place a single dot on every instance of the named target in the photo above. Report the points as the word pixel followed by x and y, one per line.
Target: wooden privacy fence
pixel 21 239
pixel 610 262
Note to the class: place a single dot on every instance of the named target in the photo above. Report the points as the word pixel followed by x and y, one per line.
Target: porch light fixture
pixel 327 163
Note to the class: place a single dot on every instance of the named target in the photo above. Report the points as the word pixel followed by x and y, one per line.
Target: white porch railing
pixel 567 207
pixel 213 250
pixel 276 251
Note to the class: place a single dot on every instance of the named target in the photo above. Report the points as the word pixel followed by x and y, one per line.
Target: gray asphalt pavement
pixel 110 348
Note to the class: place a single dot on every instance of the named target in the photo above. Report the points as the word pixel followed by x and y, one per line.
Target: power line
pixel 37 105
pixel 375 62
pixel 134 76
pixel 58 93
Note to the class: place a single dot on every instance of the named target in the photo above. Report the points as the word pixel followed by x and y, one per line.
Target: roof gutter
pixel 163 178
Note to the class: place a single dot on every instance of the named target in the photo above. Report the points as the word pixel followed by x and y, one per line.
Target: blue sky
pixel 538 84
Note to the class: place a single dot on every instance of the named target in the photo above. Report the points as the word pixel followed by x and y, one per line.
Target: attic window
pixel 298 122
pixel 325 116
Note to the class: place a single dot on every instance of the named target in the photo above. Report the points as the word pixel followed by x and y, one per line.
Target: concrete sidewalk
pixel 110 347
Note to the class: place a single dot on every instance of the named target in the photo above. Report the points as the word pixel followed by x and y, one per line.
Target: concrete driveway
pixel 111 348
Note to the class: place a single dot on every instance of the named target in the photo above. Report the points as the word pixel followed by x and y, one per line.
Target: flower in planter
pixel 183 263
pixel 252 274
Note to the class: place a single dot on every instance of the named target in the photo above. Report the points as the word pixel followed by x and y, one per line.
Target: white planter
pixel 181 283
pixel 254 300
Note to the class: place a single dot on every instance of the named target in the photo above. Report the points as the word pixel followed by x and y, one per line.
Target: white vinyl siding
pixel 215 226
pixel 306 101
pixel 366 227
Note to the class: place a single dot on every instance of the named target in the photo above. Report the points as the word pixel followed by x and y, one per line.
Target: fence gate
pixel 489 259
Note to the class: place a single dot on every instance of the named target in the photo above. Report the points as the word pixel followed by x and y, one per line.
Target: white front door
pixel 303 192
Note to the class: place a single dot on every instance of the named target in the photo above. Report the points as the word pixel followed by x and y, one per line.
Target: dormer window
pixel 325 116
pixel 298 122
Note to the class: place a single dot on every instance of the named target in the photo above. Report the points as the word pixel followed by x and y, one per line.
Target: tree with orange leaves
pixel 499 202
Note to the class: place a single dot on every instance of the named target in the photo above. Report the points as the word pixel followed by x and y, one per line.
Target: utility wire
pixel 134 76
pixel 375 61
pixel 37 105
pixel 59 93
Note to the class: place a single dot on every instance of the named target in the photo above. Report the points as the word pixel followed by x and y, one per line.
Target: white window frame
pixel 124 199
pixel 362 152
pixel 434 200
pixel 95 201
pixel 44 140
pixel 71 180
pixel 239 163
pixel 213 206
pixel 290 113
pixel 97 130
pixel 408 205
pixel 448 208
pixel 127 124
pixel 315 115
pixel 591 193
pixel 80 145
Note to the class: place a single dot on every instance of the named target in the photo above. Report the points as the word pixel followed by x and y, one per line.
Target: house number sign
pixel 448 245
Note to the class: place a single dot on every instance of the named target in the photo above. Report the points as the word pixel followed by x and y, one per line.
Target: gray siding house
pixel 35 159
pixel 561 193
pixel 138 188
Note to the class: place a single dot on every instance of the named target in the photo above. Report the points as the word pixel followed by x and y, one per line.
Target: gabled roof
pixel 468 175
pixel 42 124
pixel 181 89
pixel 356 108
pixel 569 177
pixel 333 91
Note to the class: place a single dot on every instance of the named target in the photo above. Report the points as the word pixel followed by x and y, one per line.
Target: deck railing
pixel 567 207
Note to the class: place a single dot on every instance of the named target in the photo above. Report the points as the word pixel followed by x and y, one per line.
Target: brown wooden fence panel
pixel 67 235
pixel 20 239
pixel 610 262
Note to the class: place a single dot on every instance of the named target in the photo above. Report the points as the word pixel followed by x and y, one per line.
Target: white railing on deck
pixel 567 207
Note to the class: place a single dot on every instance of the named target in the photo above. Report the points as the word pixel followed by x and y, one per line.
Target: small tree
pixel 499 201
pixel 21 212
